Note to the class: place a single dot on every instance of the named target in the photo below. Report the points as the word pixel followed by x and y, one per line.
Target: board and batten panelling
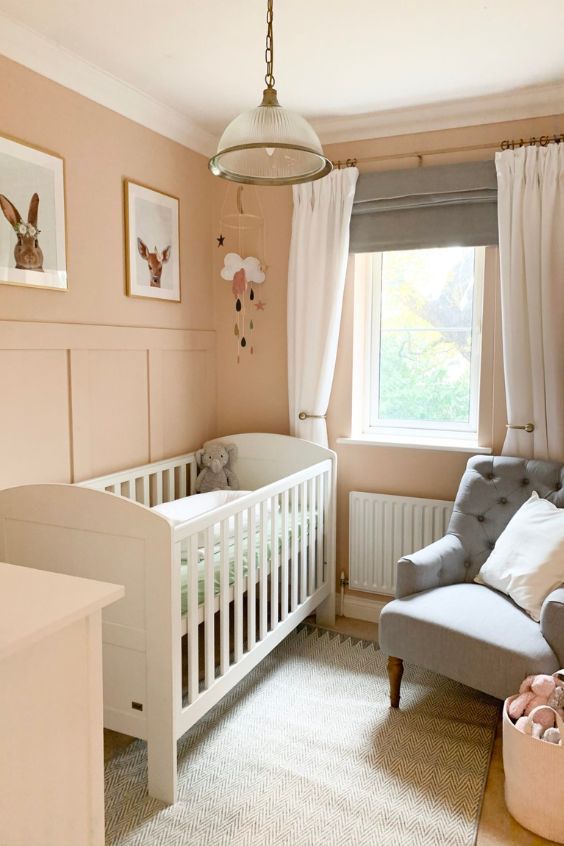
pixel 188 379
pixel 109 394
pixel 85 400
pixel 34 417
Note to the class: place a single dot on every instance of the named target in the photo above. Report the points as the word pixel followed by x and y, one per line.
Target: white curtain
pixel 316 280
pixel 531 244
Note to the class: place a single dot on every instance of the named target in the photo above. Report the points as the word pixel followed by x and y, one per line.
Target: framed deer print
pixel 152 243
pixel 32 217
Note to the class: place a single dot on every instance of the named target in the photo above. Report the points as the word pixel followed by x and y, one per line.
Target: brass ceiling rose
pixel 269 145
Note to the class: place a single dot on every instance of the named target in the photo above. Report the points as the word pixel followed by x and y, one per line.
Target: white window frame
pixel 367 319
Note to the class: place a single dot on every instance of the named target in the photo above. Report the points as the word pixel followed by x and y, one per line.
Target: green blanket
pixel 231 561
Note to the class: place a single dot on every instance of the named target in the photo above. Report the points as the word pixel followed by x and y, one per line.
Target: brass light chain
pixel 269 52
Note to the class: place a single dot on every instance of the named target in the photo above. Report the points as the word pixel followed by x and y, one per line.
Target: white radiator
pixel 384 528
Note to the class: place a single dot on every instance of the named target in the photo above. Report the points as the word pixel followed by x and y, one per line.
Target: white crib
pixel 235 581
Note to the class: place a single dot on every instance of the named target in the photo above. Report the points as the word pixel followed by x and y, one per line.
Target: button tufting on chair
pixel 480 518
pixel 491 545
pixel 502 500
pixel 525 482
pixel 490 476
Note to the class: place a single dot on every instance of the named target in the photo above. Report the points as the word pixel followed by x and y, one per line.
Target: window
pixel 418 362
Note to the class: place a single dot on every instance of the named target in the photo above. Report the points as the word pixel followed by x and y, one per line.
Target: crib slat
pixel 311 536
pixel 131 493
pixel 284 556
pixel 224 599
pixel 182 481
pixel 303 548
pixel 170 492
pixel 192 621
pixel 274 538
pixel 238 589
pixel 159 483
pixel 251 578
pixel 193 476
pixel 146 492
pixel 326 512
pixel 294 565
pixel 320 528
pixel 115 489
pixel 263 594
pixel 209 628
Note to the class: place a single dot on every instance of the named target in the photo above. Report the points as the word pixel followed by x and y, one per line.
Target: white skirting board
pixel 363 608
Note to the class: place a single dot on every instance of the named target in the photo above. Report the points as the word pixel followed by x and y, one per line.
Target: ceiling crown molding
pixel 531 102
pixel 29 48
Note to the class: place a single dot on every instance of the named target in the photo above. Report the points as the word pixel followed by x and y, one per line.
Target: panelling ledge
pixel 78 336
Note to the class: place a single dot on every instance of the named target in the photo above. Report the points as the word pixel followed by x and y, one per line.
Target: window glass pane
pixel 426 335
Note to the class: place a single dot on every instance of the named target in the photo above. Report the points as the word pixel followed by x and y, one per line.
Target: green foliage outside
pixel 426 335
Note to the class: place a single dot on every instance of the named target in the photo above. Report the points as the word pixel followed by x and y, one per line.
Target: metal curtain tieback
pixel 528 427
pixel 304 415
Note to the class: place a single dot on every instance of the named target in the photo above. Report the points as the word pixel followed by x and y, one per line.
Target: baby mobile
pixel 245 231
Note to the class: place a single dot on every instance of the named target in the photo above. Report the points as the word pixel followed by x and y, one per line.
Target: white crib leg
pixel 164 665
pixel 161 754
pixel 325 613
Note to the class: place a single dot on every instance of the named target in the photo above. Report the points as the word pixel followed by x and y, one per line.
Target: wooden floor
pixel 496 825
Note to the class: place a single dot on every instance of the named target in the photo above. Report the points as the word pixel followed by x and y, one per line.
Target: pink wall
pixel 253 395
pixel 92 380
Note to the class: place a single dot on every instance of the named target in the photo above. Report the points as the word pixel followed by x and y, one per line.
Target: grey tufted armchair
pixel 444 621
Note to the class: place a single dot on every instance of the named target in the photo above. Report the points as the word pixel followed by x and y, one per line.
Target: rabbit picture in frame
pixel 33 246
pixel 27 252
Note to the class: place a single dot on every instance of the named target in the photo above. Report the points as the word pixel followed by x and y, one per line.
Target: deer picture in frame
pixel 152 243
pixel 155 261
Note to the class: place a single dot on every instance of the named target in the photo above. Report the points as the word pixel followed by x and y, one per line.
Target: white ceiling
pixel 333 58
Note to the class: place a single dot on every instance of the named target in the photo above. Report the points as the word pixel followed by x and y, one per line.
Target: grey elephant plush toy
pixel 216 475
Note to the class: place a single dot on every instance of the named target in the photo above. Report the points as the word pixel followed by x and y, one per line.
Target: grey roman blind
pixel 451 205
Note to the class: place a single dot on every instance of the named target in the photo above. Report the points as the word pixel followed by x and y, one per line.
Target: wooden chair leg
pixel 395 672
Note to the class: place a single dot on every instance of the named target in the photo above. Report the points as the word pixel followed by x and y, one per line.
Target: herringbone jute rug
pixel 306 752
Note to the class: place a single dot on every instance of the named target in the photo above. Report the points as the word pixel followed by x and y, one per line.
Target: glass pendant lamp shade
pixel 270 146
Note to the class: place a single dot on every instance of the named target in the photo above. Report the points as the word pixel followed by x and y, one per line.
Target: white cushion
pixel 180 510
pixel 527 562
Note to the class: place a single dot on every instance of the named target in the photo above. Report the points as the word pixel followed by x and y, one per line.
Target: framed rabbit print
pixel 152 243
pixel 32 217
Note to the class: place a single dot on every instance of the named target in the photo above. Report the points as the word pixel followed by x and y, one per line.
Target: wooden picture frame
pixel 152 241
pixel 33 241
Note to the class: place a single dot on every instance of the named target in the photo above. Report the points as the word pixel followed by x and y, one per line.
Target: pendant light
pixel 269 145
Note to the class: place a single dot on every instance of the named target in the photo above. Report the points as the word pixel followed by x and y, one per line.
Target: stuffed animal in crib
pixel 216 474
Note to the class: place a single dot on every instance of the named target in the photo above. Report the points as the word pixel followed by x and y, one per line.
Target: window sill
pixel 413 442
